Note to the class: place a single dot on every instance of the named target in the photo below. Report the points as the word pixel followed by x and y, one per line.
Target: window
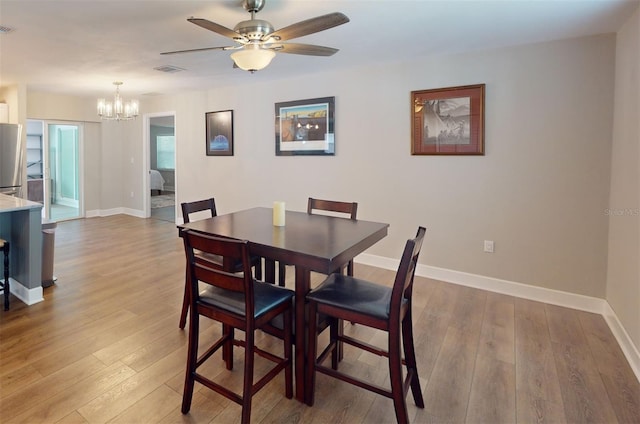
pixel 166 151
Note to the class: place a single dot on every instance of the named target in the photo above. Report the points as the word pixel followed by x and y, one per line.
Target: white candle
pixel 278 214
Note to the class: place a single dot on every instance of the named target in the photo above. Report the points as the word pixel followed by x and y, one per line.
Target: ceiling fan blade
pixel 306 49
pixel 199 50
pixel 310 26
pixel 217 28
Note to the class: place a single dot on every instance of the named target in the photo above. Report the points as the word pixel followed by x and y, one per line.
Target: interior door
pixel 160 158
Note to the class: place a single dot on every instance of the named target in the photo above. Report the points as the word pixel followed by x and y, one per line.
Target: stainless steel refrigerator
pixel 11 159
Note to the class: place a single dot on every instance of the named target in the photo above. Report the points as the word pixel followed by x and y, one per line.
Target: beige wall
pixel 623 276
pixel 539 192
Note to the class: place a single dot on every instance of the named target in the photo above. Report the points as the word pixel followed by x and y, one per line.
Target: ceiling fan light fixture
pixel 253 59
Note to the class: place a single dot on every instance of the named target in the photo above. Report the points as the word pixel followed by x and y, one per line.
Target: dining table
pixel 309 242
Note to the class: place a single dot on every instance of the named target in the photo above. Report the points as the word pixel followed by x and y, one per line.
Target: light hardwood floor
pixel 105 347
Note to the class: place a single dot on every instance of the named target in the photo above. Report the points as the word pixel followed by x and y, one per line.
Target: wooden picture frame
pixel 448 121
pixel 305 127
pixel 219 133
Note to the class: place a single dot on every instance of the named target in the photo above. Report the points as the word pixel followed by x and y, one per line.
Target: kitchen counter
pixel 21 225
pixel 11 204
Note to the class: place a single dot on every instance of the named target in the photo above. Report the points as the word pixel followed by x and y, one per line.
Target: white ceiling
pixel 82 46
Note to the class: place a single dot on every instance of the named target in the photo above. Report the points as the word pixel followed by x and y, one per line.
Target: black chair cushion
pixel 266 296
pixel 354 294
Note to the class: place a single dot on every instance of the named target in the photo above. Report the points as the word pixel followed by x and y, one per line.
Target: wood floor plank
pixel 624 395
pixel 564 326
pixel 469 309
pixel 497 336
pixel 584 396
pixel 536 373
pixel 114 401
pixel 447 392
pixel 535 410
pixel 492 398
pixel 72 418
pixel 65 402
pixel 41 391
pixel 17 379
pixel 152 408
pixel 203 410
pixel 148 333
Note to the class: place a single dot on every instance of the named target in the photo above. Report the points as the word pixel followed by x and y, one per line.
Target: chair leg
pixel 7 286
pixel 312 352
pixel 248 376
pixel 227 349
pixel 185 302
pixel 336 330
pixel 192 358
pixel 395 376
pixel 288 352
pixel 410 359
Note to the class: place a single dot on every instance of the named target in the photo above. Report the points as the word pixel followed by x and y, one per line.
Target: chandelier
pixel 117 110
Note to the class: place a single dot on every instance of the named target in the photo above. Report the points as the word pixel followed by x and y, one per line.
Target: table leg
pixel 303 284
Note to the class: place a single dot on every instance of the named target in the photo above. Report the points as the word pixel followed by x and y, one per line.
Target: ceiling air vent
pixel 5 29
pixel 168 69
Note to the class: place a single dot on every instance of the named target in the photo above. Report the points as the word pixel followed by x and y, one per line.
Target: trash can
pixel 48 244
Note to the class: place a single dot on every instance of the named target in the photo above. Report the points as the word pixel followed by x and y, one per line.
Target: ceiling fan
pixel 257 40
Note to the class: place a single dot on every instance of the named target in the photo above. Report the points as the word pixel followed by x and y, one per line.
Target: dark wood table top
pixel 316 242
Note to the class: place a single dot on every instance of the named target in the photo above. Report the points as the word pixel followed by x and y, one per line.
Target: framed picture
pixel 219 133
pixel 305 127
pixel 448 121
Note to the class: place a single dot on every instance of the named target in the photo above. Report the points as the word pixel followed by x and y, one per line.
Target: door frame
pixel 146 160
pixel 46 186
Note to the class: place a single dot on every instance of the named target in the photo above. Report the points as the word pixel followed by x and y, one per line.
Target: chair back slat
pixel 189 208
pixel 224 280
pixel 349 208
pixel 233 249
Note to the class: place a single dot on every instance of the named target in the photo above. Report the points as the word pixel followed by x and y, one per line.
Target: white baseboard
pixel 626 344
pixel 115 211
pixel 27 296
pixel 525 291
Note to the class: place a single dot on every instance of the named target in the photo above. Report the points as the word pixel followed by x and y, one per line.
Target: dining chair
pixel 342 297
pixel 240 302
pixel 5 286
pixel 209 205
pixel 349 209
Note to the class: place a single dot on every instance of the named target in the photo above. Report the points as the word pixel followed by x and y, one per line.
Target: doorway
pixel 54 176
pixel 160 146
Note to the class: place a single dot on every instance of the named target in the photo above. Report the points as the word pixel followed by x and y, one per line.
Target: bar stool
pixel 376 306
pixel 4 245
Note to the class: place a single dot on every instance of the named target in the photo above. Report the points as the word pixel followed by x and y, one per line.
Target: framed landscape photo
pixel 448 121
pixel 219 133
pixel 305 127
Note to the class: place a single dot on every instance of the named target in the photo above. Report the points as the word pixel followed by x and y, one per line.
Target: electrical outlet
pixel 488 246
pixel 131 194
